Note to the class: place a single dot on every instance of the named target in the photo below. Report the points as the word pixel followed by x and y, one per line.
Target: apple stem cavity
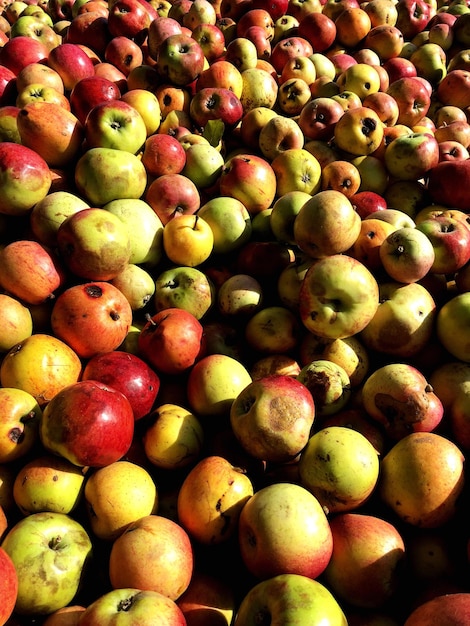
pixel 126 604
pixel 55 543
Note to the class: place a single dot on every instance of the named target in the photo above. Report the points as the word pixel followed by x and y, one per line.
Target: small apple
pixel 16 322
pixel 186 288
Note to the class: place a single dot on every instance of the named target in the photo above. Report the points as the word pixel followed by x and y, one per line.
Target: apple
pixel 135 606
pixel 8 86
pixel 329 384
pixel 166 548
pixel 40 365
pixel 259 89
pixel 450 239
pixel 71 63
pixel 136 284
pixel 363 545
pixel 48 483
pixel 229 221
pixel 296 169
pixel 66 616
pixel 158 149
pixel 90 91
pixel 203 165
pixel 188 240
pixel 407 255
pixel 452 90
pixel 408 470
pixel 16 322
pixel 173 423
pixel 451 608
pixel 171 341
pixel 215 103
pixel 47 215
pixel 25 179
pixel 30 271
pixel 410 157
pixel 319 116
pixel 52 548
pixel 359 131
pixel 104 174
pixel 452 326
pixel 412 17
pixel 9 586
pixel 274 512
pixel 101 317
pixel 127 373
pixel 36 27
pixel 21 415
pixel 37 92
pixel 287 597
pixel 20 51
pixel 266 429
pixel 444 184
pixel 88 423
pixel 124 53
pixel 332 457
pixel 171 195
pixel 279 134
pixel 239 295
pixel 208 599
pixel 8 123
pixel 412 97
pixel 338 297
pixel 180 59
pixel 115 124
pixel 366 248
pixel 186 288
pixel 117 495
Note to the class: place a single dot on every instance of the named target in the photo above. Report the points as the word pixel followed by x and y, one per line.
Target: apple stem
pixel 55 542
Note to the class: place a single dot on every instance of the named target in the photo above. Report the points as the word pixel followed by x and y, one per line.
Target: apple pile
pixel 234 312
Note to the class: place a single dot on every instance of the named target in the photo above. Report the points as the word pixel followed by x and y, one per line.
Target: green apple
pixel 105 174
pixel 290 280
pixel 94 244
pixel 324 66
pixel 50 552
pixel 230 223
pixel 203 165
pixel 21 414
pixel 278 511
pixel 185 288
pixel 35 27
pixel 411 156
pixel 285 210
pixel 144 227
pixel 340 466
pixel 328 383
pixel 48 214
pixel 407 255
pixel 136 284
pixel 48 483
pixel 115 124
pixel 239 295
pixel 453 327
pixel 288 600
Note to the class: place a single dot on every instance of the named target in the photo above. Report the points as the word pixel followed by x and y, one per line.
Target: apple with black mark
pixel 318 118
pixel 21 415
pixel 412 97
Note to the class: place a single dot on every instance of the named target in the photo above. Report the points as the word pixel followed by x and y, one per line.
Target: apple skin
pixel 452 609
pixel 250 179
pixel 452 326
pixel 163 154
pixel 52 548
pixel 71 63
pixel 185 288
pixel 88 423
pixel 364 545
pixel 8 586
pixel 445 184
pixel 22 50
pixel 25 179
pixel 171 195
pixel 180 59
pixel 137 607
pixel 215 103
pixel 270 430
pixel 90 91
pixel 450 239
pixel 274 512
pixel 208 601
pixel 410 157
pixel 127 373
pixel 16 322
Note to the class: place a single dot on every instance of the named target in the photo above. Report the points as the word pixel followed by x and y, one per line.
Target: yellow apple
pixel 188 240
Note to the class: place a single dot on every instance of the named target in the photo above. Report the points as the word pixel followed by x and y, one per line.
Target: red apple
pixel 7 86
pixel 318 29
pixel 412 17
pixel 22 50
pixel 130 18
pixel 89 29
pixel 453 609
pixel 8 586
pixel 215 103
pixel 448 184
pixel 163 154
pixel 368 202
pixel 90 91
pixel 170 195
pixel 412 97
pixel 180 59
pixel 71 62
pixel 250 179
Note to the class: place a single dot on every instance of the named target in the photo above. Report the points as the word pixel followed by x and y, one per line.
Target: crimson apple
pixel 318 29
pixel 412 17
pixel 90 29
pixel 88 423
pixel 163 154
pixel 7 86
pixel 180 59
pixel 171 195
pixel 448 184
pixel 8 586
pixel 90 91
pixel 71 62
pixel 22 50
pixel 368 202
pixel 215 103
pixel 130 18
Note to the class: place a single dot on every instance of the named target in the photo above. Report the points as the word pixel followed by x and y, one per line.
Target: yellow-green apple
pixel 105 174
pixel 117 495
pixel 411 156
pixel 186 288
pixel 163 154
pixel 127 373
pixel 94 244
pixel 16 322
pixel 252 123
pixel 21 415
pixel 407 255
pixel 41 365
pixel 214 382
pixel 136 284
pixel 316 227
pixel 396 217
pixel 452 326
pixel 287 598
pixel 215 103
pixel 359 131
pixel 30 271
pixel 296 169
pixel 230 223
pixel 180 59
pixel 25 179
pixel 250 179
pixel 203 165
pixel 171 195
pixel 274 364
pixel 319 116
pixel 134 607
pixel 338 297
pixel 284 212
pixel 347 99
pixel 47 214
pixel 171 341
pixel 450 239
pixel 269 429
pixel 259 88
pixel 242 53
pixel 365 544
pixel 400 398
pixel 166 548
pixel 173 438
pixel 422 477
pixel 8 586
pixel 361 79
pixel 91 91
pixel 340 466
pixel 412 97
pixel 275 512
pixel 349 353
pixel 91 318
pixel 71 62
pixel 208 600
pixel 210 500
pixel 366 248
pixel 188 240
pixel 36 92
pixel 48 483
pixel 144 228
pixel 452 607
pixel 239 295
pixel 273 330
pixel 329 384
pixel 279 134
pixel 52 548
pixel 115 124
pixel 293 95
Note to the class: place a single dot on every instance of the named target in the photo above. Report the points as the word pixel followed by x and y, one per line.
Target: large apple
pixel 452 608
pixel 88 423
pixel 278 511
pixel 115 124
pixel 50 552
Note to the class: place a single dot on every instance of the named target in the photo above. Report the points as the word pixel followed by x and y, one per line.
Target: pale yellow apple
pixel 188 240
